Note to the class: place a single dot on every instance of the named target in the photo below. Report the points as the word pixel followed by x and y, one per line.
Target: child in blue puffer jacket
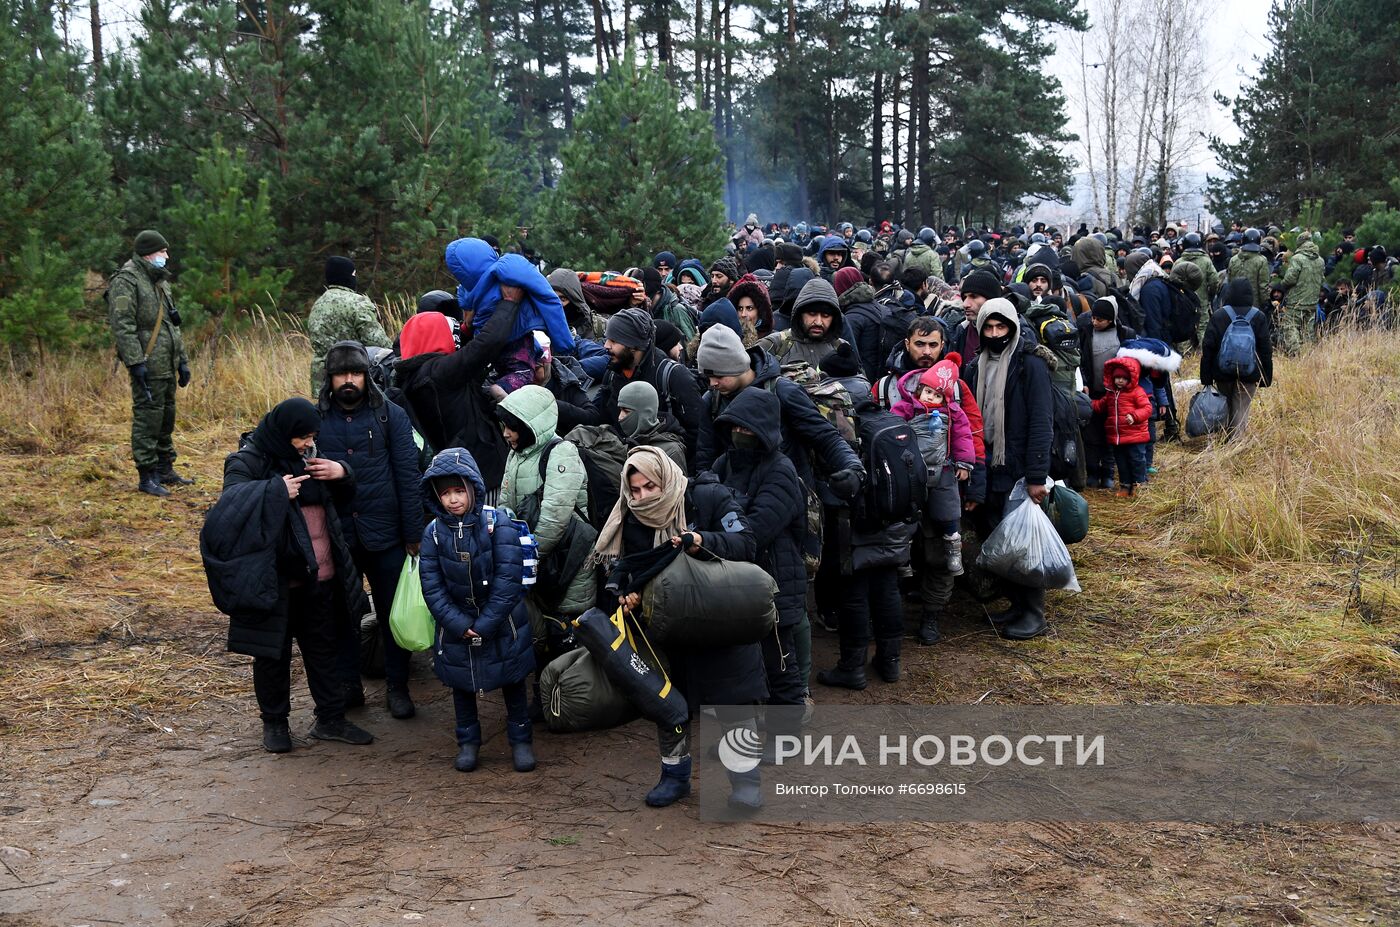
pixel 472 572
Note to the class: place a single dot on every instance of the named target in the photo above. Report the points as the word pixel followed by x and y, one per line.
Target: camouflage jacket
pixel 341 314
pixel 1254 267
pixel 1302 281
pixel 133 304
pixel 1210 285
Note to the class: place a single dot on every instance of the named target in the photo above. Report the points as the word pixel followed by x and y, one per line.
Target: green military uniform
pixel 146 328
pixel 1254 267
pixel 1302 282
pixel 1209 287
pixel 925 258
pixel 341 314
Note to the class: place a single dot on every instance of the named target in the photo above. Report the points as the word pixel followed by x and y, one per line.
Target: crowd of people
pixel 532 439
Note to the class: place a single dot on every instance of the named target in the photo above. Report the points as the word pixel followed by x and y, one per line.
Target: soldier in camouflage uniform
pixel 341 314
pixel 1302 282
pixel 146 327
pixel 1250 264
pixel 1210 282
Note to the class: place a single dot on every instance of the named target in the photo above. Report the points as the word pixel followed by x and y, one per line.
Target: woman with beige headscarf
pixel 659 506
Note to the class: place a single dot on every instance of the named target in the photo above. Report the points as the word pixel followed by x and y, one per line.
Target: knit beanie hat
pixel 1106 308
pixel 667 336
pixel 666 257
pixel 721 353
pixel 841 362
pixel 651 281
pixel 845 278
pixel 1037 270
pixel 633 328
pixel 1188 275
pixel 149 242
pixel 638 397
pixel 943 376
pixel 981 283
pixel 340 271
pixel 727 266
pixel 721 312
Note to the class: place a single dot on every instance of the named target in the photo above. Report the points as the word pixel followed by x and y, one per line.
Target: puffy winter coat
pixel 1088 253
pixel 1303 278
pixel 1215 333
pixel 1156 301
pixel 446 391
pixel 865 317
pixel 565 487
pixel 1028 419
pixel 774 504
pixel 471 574
pixel 375 440
pixel 1119 405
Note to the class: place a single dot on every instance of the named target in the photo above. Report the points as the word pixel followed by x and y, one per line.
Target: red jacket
pixel 1117 405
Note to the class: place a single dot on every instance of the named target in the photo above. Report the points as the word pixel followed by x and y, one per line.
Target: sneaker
pixel 1151 470
pixel 343 731
pixel 277 737
pixel 1122 493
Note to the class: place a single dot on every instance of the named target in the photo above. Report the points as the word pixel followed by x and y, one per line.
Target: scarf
pixel 290 418
pixel 663 512
pixel 991 377
pixel 1145 273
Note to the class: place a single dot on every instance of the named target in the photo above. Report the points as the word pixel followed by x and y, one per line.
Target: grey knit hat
pixel 721 353
pixel 633 328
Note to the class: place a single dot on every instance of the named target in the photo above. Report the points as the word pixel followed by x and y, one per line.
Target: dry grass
pixel 1230 581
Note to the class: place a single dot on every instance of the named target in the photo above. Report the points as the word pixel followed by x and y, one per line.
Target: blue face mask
pixel 157 262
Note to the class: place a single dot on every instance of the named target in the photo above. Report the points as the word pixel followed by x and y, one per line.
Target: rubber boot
pixel 1031 619
pixel 149 484
pixel 522 750
pixel 849 672
pixel 277 737
pixel 887 659
pixel 165 472
pixel 952 545
pixel 673 785
pixel 928 629
pixel 468 747
pixel 399 702
pixel 746 790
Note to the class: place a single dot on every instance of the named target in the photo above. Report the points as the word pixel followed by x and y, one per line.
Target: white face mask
pixel 158 261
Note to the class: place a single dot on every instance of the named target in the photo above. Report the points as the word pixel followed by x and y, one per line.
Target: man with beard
pixel 372 440
pixel 631 345
pixel 724 273
pixel 920 350
pixel 817 325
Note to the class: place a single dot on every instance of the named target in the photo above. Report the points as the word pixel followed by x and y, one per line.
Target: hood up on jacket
pixel 750 286
pixel 796 280
pixel 531 412
pixel 480 274
pixel 1121 367
pixel 567 282
pixel 455 461
pixel 1151 354
pixel 818 294
pixel 758 410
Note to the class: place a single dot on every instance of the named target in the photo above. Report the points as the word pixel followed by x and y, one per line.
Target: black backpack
pixel 1129 309
pixel 894 325
pixel 1067 461
pixel 896 480
pixel 1185 312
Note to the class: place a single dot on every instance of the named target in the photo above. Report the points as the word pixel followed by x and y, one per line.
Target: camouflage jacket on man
pixel 1254 267
pixel 134 301
pixel 1210 284
pixel 1302 281
pixel 341 314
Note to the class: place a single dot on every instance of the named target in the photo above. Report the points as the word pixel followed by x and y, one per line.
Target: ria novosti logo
pixel 740 750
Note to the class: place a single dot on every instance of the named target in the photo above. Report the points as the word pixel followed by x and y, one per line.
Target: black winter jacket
pixel 1215 332
pixel 377 440
pixel 1029 420
pixel 680 395
pixel 766 484
pixel 449 398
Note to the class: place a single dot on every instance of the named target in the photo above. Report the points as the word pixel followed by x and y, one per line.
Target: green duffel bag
pixel 1068 512
pixel 578 696
pixel 703 601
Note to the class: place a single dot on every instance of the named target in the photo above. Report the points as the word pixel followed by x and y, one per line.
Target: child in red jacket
pixel 1127 413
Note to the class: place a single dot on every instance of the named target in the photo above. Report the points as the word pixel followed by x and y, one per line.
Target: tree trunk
pixel 729 179
pixel 911 147
pixel 896 165
pixel 566 89
pixel 699 58
pixel 921 72
pixel 95 17
pixel 663 34
pixel 600 39
pixel 488 35
pixel 799 137
pixel 877 145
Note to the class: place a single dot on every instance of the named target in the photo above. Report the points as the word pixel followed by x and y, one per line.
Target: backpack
pixel 1185 312
pixel 381 368
pixel 1067 460
pixel 896 485
pixel 894 325
pixel 1129 309
pixel 1076 303
pixel 1061 337
pixel 832 399
pixel 603 455
pixel 1238 357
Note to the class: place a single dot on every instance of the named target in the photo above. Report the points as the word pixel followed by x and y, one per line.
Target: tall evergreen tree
pixel 641 173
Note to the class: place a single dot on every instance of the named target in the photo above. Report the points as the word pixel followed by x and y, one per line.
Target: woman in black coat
pixel 319 592
pixel 775 507
pixel 1238 391
pixel 657 507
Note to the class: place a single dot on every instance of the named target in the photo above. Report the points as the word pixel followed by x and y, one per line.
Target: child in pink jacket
pixel 945 440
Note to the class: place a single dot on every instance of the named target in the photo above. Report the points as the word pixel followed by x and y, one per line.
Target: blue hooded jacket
pixel 480 273
pixel 471 573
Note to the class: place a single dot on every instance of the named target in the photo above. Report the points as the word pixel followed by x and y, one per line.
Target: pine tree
pixel 55 179
pixel 225 230
pixel 640 174
pixel 38 310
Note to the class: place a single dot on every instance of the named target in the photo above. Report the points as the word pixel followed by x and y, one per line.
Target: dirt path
pixel 198 826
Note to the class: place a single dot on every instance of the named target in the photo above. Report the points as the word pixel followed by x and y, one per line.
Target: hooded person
pixel 641 424
pixel 817 325
pixel 445 386
pixel 1302 284
pixel 279 566
pixel 835 253
pixel 751 300
pixel 583 321
pixel 372 439
pixel 1238 391
pixel 1092 260
pixel 1148 285
pixel 864 316
pixel 749 233
pixel 1011 382
pixel 786 293
pixel 659 507
pixel 481 273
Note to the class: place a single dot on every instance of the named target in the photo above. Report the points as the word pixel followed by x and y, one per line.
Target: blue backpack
pixel 1238 358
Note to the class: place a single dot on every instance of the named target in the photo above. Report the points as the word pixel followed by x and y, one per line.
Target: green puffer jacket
pixel 565 484
pixel 1302 281
pixel 925 258
pixel 1254 267
pixel 1210 285
pixel 133 304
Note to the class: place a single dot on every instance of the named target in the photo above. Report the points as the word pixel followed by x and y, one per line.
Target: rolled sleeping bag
pixel 703 601
pixel 614 645
pixel 578 696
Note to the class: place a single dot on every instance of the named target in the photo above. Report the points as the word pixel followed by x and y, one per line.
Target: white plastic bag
pixel 1026 549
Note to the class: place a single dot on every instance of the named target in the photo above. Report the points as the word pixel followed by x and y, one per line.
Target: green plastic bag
pixel 409 617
